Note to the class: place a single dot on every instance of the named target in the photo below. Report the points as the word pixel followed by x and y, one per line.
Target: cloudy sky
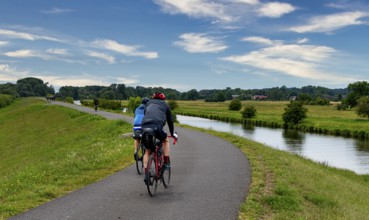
pixel 186 44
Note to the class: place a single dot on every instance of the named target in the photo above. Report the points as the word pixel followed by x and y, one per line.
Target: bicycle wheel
pixel 152 180
pixel 139 161
pixel 166 175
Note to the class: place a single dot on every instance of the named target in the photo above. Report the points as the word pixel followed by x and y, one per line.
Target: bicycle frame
pixel 156 157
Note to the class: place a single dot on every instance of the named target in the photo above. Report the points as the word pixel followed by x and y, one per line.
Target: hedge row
pixel 103 103
pixel 303 128
pixel 6 100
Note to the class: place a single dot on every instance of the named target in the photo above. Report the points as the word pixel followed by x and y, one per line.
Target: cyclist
pixel 157 114
pixel 96 104
pixel 137 130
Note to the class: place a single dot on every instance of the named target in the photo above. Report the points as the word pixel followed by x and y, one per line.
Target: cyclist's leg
pixel 166 146
pixel 145 160
pixel 146 157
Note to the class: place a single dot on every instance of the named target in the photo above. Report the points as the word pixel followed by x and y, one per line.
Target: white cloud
pixel 3 43
pixel 49 55
pixel 124 49
pixel 83 80
pixel 275 9
pixel 25 36
pixel 22 53
pixel 250 2
pixel 303 61
pixel 57 51
pixel 260 40
pixel 200 43
pixel 57 11
pixel 196 8
pixel 127 81
pixel 11 74
pixel 331 22
pixel 303 40
pixel 103 56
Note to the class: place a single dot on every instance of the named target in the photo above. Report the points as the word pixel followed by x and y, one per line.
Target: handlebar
pixel 174 139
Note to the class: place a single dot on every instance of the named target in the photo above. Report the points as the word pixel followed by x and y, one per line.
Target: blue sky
pixel 186 44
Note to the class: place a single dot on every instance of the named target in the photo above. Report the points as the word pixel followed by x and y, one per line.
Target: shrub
pixel 6 100
pixel 363 106
pixel 235 105
pixel 294 113
pixel 172 104
pixel 248 112
pixel 69 100
pixel 133 103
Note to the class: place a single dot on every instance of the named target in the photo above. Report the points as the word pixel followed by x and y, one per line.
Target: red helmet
pixel 158 95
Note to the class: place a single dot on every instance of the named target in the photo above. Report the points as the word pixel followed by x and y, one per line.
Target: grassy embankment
pixel 286 186
pixel 47 151
pixel 84 148
pixel 320 119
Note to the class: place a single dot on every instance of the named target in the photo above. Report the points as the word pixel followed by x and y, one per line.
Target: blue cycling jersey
pixel 139 114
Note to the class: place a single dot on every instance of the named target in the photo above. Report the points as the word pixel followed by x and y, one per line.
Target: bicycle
pixel 155 171
pixel 139 158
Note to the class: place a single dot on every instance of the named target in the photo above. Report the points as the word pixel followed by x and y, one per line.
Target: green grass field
pixel 47 151
pixel 324 117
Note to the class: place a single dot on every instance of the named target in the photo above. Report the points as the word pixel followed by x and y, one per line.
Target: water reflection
pixel 293 140
pixel 339 152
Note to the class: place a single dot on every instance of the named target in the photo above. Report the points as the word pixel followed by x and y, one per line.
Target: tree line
pixel 31 86
pixel 123 92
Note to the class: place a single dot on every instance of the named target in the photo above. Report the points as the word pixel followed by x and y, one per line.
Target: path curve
pixel 210 179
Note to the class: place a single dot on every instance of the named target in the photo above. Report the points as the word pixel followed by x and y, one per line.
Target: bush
pixel 103 103
pixel 363 106
pixel 6 100
pixel 235 105
pixel 172 104
pixel 294 113
pixel 248 112
pixel 69 100
pixel 133 103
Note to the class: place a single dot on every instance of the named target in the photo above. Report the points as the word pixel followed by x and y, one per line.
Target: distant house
pixel 235 97
pixel 293 98
pixel 259 97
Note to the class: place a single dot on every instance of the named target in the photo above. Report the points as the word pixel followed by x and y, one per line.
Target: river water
pixel 340 152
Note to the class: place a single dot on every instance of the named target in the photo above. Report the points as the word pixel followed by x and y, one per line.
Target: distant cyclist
pixel 157 114
pixel 96 104
pixel 138 116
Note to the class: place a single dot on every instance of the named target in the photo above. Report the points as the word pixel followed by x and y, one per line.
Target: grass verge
pixel 47 151
pixel 287 186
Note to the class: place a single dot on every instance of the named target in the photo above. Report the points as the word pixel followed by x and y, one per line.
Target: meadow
pixel 320 119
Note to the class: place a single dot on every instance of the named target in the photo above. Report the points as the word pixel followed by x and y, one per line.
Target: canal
pixel 340 152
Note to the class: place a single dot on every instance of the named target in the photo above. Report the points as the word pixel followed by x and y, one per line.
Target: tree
pixel 31 86
pixel 356 90
pixel 235 105
pixel 305 98
pixel 363 106
pixel 294 113
pixel 133 103
pixel 220 97
pixel 192 95
pixel 248 112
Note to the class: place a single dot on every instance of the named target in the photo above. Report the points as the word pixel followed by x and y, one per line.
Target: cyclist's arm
pixel 170 121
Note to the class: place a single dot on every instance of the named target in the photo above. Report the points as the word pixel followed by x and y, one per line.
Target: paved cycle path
pixel 210 179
